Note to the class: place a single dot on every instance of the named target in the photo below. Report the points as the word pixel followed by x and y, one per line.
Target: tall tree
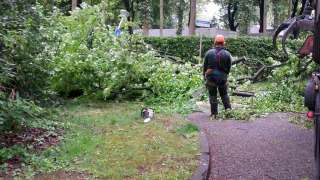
pixel 74 4
pixel 261 13
pixel 129 5
pixel 180 10
pixel 294 10
pixel 246 15
pixel 303 5
pixel 192 21
pixel 290 8
pixel 232 13
pixel 280 11
pixel 145 15
pixel 169 9
pixel 261 19
pixel 161 17
pixel 263 6
pixel 237 15
pixel 265 16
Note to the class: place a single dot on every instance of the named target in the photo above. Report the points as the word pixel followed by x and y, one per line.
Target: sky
pixel 210 10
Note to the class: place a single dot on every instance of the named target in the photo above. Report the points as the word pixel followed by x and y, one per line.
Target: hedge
pixel 187 48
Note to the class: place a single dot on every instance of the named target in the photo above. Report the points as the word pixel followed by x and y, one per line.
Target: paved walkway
pixel 267 148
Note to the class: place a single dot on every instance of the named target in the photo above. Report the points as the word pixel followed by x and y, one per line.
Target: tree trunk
pixel 132 16
pixel 303 5
pixel 49 4
pixel 146 17
pixel 193 11
pixel 276 14
pixel 265 16
pixel 128 4
pixel 294 7
pixel 74 4
pixel 261 19
pixel 290 8
pixel 145 27
pixel 232 10
pixel 180 16
pixel 161 18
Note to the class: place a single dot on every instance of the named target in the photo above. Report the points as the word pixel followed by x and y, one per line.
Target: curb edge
pixel 203 170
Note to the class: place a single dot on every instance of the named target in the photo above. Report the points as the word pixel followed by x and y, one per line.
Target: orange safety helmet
pixel 219 40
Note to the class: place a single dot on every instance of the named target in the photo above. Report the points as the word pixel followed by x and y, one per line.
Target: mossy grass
pixel 110 140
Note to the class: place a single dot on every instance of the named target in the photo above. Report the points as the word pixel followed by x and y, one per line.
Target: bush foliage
pixel 91 59
pixel 187 48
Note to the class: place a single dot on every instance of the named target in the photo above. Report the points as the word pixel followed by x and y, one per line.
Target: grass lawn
pixel 111 141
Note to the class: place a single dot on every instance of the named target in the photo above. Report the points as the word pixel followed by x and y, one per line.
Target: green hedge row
pixel 187 48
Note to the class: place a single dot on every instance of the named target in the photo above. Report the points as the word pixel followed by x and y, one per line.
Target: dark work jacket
pixel 218 59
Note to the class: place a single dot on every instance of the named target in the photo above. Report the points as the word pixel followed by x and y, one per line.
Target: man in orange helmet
pixel 216 67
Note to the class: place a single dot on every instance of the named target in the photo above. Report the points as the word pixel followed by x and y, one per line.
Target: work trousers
pixel 213 89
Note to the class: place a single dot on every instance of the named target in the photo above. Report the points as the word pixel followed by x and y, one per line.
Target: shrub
pixel 111 67
pixel 187 48
pixel 20 113
pixel 24 40
pixel 24 62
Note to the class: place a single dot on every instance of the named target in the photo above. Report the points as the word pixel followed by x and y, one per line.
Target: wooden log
pixel 258 73
pixel 243 94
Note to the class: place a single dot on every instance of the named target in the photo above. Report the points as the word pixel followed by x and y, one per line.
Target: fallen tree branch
pixel 171 58
pixel 255 77
pixel 244 78
pixel 275 66
pixel 238 61
pixel 243 94
pixel 258 73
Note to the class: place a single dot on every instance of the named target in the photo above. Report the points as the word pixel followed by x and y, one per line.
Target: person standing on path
pixel 216 68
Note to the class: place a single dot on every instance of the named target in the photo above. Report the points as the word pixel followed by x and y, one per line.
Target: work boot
pixel 214 105
pixel 213 117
